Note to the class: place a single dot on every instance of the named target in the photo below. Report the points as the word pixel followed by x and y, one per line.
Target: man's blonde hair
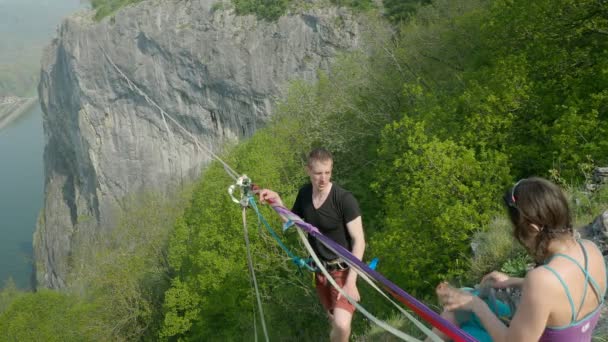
pixel 319 154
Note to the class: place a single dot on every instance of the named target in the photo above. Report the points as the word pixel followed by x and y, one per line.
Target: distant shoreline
pixel 14 109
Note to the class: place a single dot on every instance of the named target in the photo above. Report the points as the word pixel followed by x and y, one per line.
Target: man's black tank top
pixel 331 217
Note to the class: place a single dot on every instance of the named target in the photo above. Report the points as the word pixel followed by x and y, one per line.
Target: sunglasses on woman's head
pixel 512 200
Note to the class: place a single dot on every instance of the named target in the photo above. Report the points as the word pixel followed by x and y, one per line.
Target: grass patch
pixel 495 248
pixel 377 334
pixel 104 8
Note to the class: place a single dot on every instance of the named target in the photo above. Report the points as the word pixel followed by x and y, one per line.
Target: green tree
pixel 400 10
pixel 436 194
pixel 211 284
pixel 122 271
pixel 49 316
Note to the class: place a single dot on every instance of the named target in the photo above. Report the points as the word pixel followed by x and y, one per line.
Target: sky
pixel 28 25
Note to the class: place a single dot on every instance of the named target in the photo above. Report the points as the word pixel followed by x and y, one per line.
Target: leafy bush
pixel 436 194
pixel 123 271
pixel 517 266
pixel 492 247
pixel 399 10
pixel 211 284
pixel 49 316
pixel 271 10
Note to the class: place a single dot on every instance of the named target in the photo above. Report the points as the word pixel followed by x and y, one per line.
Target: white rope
pixel 371 317
pixel 255 327
pixel 253 278
pixel 165 115
pixel 413 319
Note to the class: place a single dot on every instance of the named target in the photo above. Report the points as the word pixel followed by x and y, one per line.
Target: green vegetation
pixel 359 5
pixel 264 9
pixel 117 283
pixel 105 8
pixel 46 315
pixel 400 10
pixel 271 10
pixel 435 195
pixel 428 128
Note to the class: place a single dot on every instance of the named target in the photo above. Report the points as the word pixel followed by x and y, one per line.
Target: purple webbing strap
pixel 429 315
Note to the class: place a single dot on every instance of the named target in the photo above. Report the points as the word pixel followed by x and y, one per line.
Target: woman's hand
pixel 499 280
pixel 454 299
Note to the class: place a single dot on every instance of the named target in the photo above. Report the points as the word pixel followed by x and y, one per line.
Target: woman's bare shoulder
pixel 543 280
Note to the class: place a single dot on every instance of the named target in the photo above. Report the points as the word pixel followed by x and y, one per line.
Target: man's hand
pixel 270 197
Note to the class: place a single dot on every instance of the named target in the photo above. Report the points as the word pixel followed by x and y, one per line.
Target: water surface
pixel 21 193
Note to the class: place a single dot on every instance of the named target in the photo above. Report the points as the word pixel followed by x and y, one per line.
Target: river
pixel 21 190
pixel 26 26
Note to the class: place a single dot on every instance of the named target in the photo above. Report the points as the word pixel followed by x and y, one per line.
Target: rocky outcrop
pixel 104 85
pixel 600 175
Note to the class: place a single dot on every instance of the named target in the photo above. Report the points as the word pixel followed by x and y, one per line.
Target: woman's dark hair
pixel 540 202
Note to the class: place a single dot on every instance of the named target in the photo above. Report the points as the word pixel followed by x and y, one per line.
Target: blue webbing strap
pixel 301 263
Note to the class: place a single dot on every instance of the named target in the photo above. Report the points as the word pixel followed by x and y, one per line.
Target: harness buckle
pixel 335 265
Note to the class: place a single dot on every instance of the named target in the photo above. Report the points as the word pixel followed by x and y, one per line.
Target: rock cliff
pixel 104 85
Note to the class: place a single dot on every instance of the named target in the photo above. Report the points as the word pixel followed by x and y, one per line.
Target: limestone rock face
pixel 104 85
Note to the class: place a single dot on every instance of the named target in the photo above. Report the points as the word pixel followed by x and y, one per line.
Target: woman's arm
pixel 531 316
pixel 501 280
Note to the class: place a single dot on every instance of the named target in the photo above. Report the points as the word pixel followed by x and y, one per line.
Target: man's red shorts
pixel 328 294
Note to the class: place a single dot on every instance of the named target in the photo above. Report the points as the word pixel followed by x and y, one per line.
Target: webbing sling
pixel 371 317
pixel 413 319
pixel 415 305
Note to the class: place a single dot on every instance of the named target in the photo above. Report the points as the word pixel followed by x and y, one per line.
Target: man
pixel 336 213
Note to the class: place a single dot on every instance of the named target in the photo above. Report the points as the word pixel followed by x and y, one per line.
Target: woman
pixel 562 298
